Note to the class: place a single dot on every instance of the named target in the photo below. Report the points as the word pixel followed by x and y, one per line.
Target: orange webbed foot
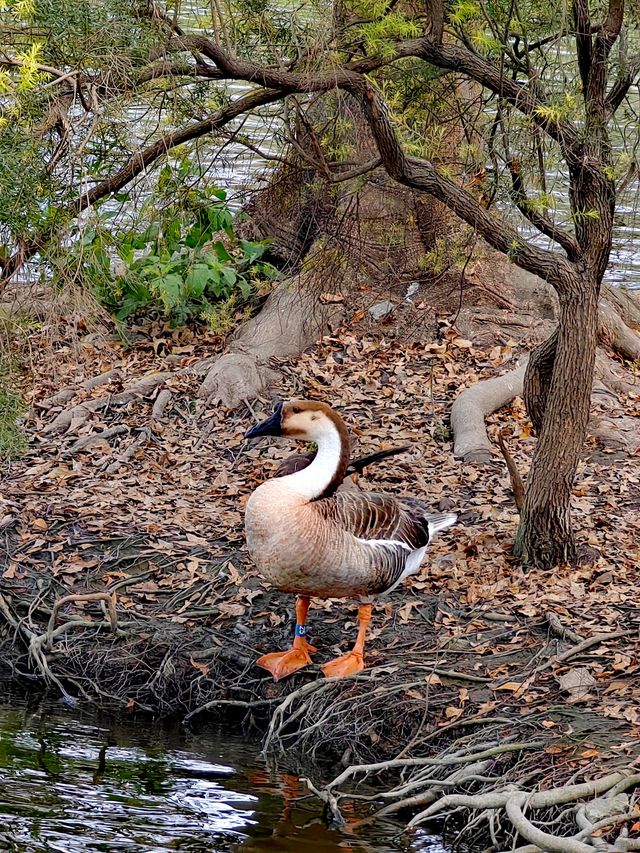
pixel 348 664
pixel 282 664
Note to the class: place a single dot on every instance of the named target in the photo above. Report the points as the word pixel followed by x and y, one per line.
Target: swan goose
pixel 309 539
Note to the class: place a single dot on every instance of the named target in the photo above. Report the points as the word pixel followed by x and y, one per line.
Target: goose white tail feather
pixel 440 521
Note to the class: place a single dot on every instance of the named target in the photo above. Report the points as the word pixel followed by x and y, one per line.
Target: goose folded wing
pixel 371 516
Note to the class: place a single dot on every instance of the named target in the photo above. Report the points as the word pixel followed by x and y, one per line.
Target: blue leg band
pixel 301 630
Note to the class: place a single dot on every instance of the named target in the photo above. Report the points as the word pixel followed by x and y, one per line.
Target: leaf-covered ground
pixel 151 508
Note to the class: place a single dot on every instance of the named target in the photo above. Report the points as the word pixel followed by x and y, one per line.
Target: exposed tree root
pixel 72 418
pixel 162 401
pixel 620 321
pixel 65 394
pixel 619 331
pixel 608 424
pixel 471 443
pixel 87 440
pixel 434 783
pixel 292 318
pixel 38 643
pixel 612 375
pixel 615 334
pixel 109 598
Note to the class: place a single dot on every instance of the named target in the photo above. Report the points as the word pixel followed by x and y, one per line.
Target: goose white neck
pixel 313 480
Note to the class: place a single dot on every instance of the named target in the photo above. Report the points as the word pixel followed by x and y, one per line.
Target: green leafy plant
pixel 187 261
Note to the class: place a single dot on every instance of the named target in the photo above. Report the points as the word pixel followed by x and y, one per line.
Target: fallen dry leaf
pixel 577 682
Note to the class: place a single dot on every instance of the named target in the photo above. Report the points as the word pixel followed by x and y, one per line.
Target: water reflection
pixel 72 786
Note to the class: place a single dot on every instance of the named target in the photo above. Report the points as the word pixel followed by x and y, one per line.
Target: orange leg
pixel 352 662
pixel 281 664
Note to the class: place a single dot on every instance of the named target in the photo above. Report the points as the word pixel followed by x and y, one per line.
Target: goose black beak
pixel 272 425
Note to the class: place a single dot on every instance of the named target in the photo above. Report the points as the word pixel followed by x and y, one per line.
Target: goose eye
pixel 295 410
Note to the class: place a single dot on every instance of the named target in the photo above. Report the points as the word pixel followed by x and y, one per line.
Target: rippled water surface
pixel 71 784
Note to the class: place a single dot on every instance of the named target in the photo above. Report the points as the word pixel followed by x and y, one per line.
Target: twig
pixel 461 676
pixel 517 486
pixel 233 703
pixel 108 597
pixel 559 630
pixel 87 440
pixel 589 642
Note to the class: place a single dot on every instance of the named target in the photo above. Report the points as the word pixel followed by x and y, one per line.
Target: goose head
pixel 306 420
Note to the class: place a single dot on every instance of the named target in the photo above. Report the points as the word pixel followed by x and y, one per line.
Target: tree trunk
pixel 537 380
pixel 545 535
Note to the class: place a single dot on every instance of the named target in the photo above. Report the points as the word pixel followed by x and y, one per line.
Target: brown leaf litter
pixel 149 506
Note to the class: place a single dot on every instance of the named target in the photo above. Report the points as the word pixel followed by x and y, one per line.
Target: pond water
pixel 70 783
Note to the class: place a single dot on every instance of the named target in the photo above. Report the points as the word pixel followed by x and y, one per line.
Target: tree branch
pixel 519 95
pixel 435 13
pixel 547 264
pixel 137 164
pixel 611 26
pixel 537 219
pixel 583 40
pixel 446 56
pixel 163 68
pixel 621 87
pixel 597 85
pixel 143 159
pixel 10 62
pixel 422 175
pixel 418 174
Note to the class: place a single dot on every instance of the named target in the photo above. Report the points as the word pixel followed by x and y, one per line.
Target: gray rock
pixel 381 309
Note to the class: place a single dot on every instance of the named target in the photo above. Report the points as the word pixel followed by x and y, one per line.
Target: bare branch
pixel 369 166
pixel 583 40
pixel 621 87
pixel 10 62
pixel 137 164
pixel 521 52
pixel 537 219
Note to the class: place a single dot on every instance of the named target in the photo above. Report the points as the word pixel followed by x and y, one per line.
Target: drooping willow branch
pixel 138 163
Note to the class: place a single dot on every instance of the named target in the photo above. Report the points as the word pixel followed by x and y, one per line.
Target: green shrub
pixel 182 259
